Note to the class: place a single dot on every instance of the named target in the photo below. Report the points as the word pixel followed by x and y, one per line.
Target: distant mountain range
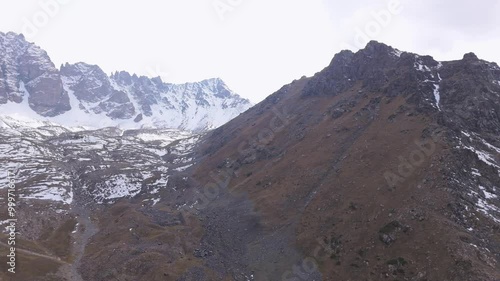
pixel 84 95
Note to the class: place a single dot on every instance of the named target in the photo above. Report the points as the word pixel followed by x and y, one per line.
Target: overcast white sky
pixel 256 46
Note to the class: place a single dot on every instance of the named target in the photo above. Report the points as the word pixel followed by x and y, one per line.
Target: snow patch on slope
pixel 51 193
pixel 485 195
pixel 397 53
pixel 430 72
pixel 437 95
pixel 113 164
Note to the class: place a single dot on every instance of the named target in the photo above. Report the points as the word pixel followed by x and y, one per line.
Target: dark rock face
pixel 378 68
pixel 91 85
pixel 138 118
pixel 372 66
pixel 26 72
pixel 48 97
pixel 336 78
pixel 470 90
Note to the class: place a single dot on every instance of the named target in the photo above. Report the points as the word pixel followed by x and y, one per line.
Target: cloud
pixel 445 28
pixel 260 45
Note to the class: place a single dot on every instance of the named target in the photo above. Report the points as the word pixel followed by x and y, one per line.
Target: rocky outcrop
pixel 28 73
pixel 92 87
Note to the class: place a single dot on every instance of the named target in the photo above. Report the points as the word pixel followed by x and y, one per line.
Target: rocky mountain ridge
pixel 386 167
pixel 83 95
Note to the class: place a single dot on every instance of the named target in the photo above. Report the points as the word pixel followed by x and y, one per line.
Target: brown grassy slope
pixel 29 267
pixel 322 178
pixel 134 244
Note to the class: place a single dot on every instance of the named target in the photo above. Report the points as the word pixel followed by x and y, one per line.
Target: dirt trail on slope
pixel 86 228
pixel 31 253
pixel 82 238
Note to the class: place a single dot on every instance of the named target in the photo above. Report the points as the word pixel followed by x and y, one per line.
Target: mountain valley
pixel 385 165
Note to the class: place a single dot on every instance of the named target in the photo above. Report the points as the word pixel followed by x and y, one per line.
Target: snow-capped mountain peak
pixel 82 94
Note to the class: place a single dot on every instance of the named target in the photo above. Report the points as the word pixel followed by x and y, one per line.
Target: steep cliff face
pixel 150 102
pixel 82 94
pixel 27 73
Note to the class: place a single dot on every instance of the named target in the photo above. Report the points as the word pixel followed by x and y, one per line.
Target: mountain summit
pixel 83 95
pixel 383 166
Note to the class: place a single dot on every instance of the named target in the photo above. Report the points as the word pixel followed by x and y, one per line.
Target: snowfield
pixel 56 163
